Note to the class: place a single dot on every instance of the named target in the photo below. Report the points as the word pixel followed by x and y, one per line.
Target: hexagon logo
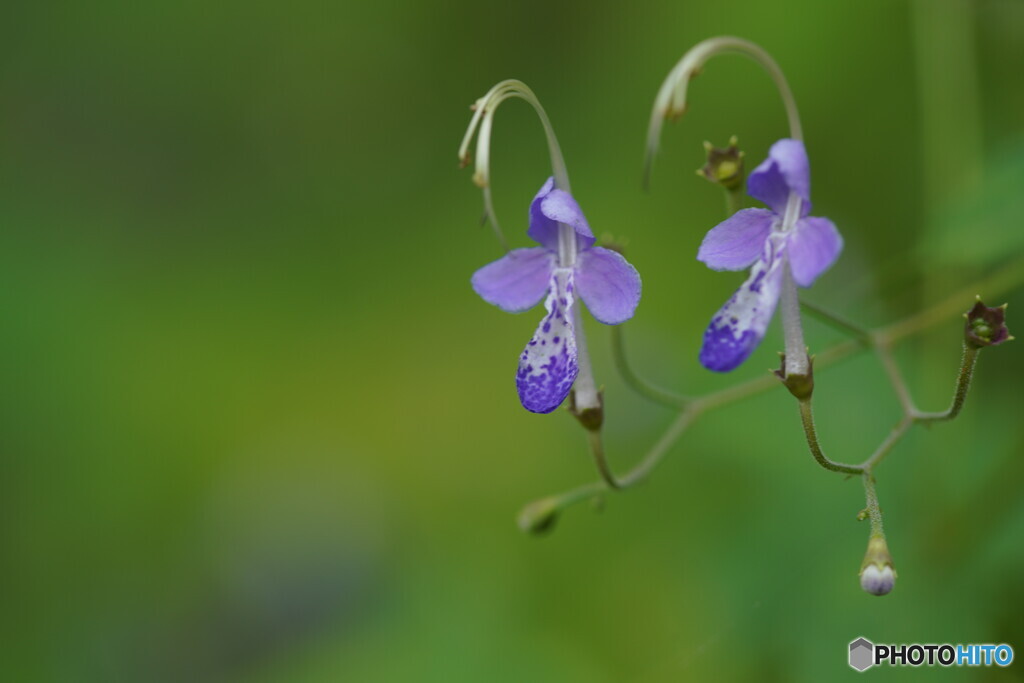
pixel 862 653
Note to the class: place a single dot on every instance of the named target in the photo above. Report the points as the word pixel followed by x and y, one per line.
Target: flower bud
pixel 539 517
pixel 877 575
pixel 986 326
pixel 724 166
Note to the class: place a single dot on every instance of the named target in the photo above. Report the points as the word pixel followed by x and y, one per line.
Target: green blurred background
pixel 256 426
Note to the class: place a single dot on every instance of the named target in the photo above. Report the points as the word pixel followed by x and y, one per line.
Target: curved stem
pixel 671 99
pixel 891 440
pixel 807 419
pixel 637 383
pixel 1010 276
pixel 481 124
pixel 963 385
pixel 884 351
pixel 837 322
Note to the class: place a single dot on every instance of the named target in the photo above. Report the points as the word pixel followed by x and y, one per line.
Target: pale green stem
pixel 871 506
pixel 1009 277
pixel 637 383
pixel 807 418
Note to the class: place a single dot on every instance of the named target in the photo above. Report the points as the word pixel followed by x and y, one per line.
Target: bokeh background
pixel 256 426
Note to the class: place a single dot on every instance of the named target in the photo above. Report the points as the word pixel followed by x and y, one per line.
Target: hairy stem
pixel 963 384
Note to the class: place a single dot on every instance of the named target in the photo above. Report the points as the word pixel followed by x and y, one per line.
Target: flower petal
pixel 813 247
pixel 785 170
pixel 608 285
pixel 552 206
pixel 740 324
pixel 738 241
pixel 516 282
pixel 547 367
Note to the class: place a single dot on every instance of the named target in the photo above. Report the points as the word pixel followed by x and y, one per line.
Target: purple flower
pixel 765 240
pixel 605 281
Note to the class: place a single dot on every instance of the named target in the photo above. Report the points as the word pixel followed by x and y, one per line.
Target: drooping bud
pixel 986 326
pixel 539 517
pixel 724 165
pixel 877 575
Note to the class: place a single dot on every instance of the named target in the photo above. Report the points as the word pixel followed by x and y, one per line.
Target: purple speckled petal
pixel 738 241
pixel 740 324
pixel 547 366
pixel 608 285
pixel 516 282
pixel 785 170
pixel 552 206
pixel 813 247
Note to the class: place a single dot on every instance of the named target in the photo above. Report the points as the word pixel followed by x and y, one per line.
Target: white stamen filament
pixel 671 99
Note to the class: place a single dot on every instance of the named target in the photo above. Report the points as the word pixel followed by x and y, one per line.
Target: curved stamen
pixel 671 100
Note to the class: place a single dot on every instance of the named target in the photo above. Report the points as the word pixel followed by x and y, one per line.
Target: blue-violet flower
pixel 605 281
pixel 766 240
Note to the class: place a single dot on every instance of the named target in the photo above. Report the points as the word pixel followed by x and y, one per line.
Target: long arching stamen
pixel 482 121
pixel 671 100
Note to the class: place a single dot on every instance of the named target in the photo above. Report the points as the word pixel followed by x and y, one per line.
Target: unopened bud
pixel 724 166
pixel 877 575
pixel 539 517
pixel 986 326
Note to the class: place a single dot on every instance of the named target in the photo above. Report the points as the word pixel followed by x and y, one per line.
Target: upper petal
pixel 785 170
pixel 608 285
pixel 813 247
pixel 552 206
pixel 739 326
pixel 547 366
pixel 517 281
pixel 738 241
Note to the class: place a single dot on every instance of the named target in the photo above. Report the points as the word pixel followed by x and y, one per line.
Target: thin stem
pixel 1010 276
pixel 481 124
pixel 963 384
pixel 871 505
pixel 671 99
pixel 837 322
pixel 891 440
pixel 634 381
pixel 892 371
pixel 789 302
pixel 584 388
pixel 807 418
pixel 597 450
pixel 733 201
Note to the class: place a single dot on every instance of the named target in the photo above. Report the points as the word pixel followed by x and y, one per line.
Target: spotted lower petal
pixel 740 324
pixel 547 366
